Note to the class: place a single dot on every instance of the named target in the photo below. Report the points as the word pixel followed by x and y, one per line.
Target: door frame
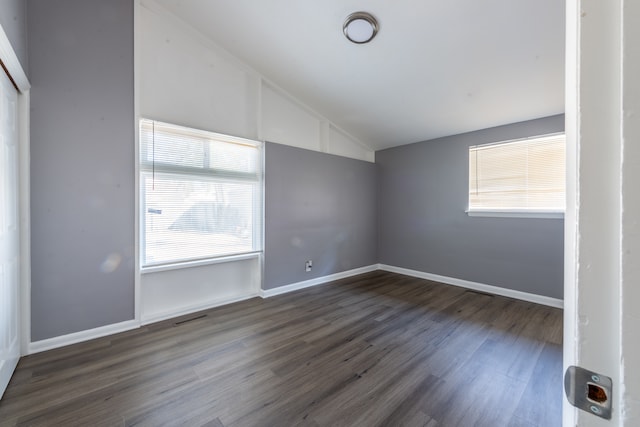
pixel 11 64
pixel 602 234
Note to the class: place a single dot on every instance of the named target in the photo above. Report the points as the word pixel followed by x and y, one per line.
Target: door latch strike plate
pixel 588 391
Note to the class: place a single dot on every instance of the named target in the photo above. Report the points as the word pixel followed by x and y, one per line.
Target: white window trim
pixel 513 213
pixel 200 262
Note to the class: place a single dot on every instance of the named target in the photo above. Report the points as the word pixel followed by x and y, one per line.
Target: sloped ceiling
pixel 436 67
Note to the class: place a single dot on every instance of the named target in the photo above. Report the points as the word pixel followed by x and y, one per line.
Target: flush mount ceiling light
pixel 360 27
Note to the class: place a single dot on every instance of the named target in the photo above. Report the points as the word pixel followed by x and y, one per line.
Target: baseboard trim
pixel 81 336
pixel 146 320
pixel 496 290
pixel 102 331
pixel 267 293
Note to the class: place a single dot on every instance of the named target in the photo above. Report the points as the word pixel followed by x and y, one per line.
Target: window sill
pixel 198 263
pixel 516 214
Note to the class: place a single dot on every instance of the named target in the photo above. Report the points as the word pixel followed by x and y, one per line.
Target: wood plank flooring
pixel 379 349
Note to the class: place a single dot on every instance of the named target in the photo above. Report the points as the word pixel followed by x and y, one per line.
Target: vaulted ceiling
pixel 436 67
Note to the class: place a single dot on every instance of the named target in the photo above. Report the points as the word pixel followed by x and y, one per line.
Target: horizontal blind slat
pixel 520 174
pixel 201 194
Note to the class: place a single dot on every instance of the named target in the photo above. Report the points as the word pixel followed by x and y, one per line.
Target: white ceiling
pixel 436 67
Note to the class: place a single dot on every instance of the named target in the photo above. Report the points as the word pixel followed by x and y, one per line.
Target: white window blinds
pixel 201 194
pixel 526 175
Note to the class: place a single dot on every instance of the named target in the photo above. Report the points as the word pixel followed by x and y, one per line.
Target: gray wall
pixel 319 207
pixel 423 226
pixel 82 164
pixel 14 23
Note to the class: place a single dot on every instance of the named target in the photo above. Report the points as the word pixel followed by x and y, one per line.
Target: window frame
pixel 512 212
pixel 163 170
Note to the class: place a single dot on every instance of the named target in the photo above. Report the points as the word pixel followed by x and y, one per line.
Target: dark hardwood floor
pixel 375 349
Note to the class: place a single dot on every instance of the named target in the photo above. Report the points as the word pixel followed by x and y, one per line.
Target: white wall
pixel 186 79
pixel 286 121
pixel 170 293
pixel 341 144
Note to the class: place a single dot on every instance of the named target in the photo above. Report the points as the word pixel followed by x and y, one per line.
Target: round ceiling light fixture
pixel 360 27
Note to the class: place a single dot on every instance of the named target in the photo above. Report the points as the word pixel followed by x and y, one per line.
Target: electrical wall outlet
pixel 307 265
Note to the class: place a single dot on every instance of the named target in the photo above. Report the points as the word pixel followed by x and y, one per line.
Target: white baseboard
pixel 76 337
pixel 496 290
pixel 102 331
pixel 157 317
pixel 317 281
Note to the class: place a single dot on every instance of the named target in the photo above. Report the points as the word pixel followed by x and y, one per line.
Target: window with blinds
pixel 525 175
pixel 200 194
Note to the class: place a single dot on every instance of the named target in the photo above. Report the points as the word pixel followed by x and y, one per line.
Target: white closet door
pixel 9 231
